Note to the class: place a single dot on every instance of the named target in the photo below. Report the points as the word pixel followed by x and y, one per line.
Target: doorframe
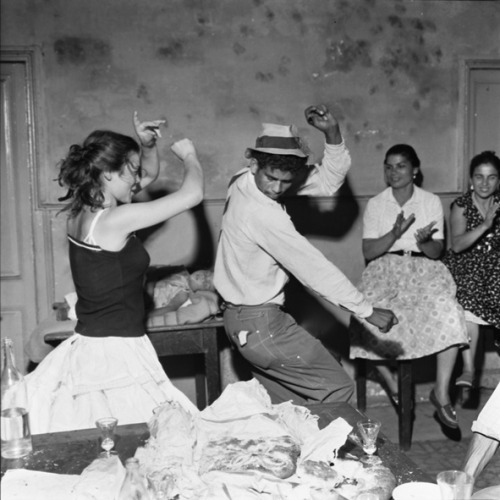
pixel 467 67
pixel 31 58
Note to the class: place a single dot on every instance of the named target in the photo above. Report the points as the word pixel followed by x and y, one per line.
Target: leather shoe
pixel 395 398
pixel 465 380
pixel 446 413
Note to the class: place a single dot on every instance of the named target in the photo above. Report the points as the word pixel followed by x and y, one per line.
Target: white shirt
pixel 259 245
pixel 382 210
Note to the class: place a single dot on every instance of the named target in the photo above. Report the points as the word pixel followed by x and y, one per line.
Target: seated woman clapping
pixel 403 240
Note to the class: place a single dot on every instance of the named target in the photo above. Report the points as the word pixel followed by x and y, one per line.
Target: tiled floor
pixel 433 449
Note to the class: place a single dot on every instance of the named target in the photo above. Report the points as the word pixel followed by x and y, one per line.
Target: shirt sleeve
pixel 371 219
pixel 328 176
pixel 297 255
pixel 436 213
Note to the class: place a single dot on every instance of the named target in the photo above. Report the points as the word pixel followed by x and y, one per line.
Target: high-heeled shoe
pixel 446 413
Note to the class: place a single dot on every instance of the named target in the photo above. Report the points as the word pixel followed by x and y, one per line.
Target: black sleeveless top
pixel 110 288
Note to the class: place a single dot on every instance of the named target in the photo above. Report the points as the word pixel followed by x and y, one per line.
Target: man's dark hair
pixel 287 163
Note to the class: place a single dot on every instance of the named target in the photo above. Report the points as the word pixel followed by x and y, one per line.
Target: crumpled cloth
pixel 101 480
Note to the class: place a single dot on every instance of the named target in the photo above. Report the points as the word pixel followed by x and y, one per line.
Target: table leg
pixel 405 413
pixel 212 370
pixel 199 382
pixel 361 383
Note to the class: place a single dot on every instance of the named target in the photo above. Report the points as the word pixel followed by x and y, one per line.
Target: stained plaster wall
pixel 217 69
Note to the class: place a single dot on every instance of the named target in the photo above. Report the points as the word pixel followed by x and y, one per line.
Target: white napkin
pixel 323 445
pixel 101 480
pixel 23 484
pixel 239 400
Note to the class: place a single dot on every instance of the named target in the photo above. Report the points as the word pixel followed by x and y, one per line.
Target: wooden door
pixel 483 110
pixel 17 262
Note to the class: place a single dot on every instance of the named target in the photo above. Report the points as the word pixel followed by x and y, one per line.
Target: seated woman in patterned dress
pixel 474 256
pixel 403 240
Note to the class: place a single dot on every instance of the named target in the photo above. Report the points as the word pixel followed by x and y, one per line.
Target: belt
pixel 229 305
pixel 408 253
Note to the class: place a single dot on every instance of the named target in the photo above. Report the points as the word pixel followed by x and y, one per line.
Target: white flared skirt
pixel 86 378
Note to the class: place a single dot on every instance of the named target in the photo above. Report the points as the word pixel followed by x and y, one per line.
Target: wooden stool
pixel 405 405
pixel 196 338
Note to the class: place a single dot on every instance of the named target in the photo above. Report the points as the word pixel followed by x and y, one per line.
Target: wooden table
pixel 198 338
pixel 71 452
pixel 401 466
pixel 195 338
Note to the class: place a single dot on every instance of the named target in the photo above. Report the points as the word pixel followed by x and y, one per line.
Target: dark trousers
pixel 287 360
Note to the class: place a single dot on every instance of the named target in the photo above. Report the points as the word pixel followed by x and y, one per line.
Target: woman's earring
pixel 471 187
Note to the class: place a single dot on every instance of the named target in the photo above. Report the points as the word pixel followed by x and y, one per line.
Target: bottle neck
pixel 9 361
pixel 14 394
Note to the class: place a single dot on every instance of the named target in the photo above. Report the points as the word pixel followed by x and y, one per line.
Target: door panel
pixel 17 265
pixel 483 116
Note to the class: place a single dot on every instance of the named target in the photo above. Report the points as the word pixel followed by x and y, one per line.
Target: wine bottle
pixel 14 416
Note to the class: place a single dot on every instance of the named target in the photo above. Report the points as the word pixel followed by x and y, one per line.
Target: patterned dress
pixel 476 270
pixel 420 291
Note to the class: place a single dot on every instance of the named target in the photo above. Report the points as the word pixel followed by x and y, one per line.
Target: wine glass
pixel 368 429
pixel 107 426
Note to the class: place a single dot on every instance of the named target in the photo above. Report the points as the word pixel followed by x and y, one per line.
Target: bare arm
pixel 479 453
pixel 148 132
pixel 120 221
pixel 430 247
pixel 461 239
pixel 375 247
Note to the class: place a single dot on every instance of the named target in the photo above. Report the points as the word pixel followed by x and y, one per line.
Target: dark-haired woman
pixel 109 366
pixel 403 241
pixel 474 256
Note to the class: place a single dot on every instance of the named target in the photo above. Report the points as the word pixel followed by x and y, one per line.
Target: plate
pixel 416 491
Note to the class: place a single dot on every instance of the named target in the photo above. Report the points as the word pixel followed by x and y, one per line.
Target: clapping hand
pixel 491 214
pixel 147 132
pixel 401 225
pixel 425 233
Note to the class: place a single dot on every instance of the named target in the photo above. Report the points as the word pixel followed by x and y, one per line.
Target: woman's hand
pixel 183 148
pixel 491 214
pixel 401 225
pixel 147 132
pixel 424 234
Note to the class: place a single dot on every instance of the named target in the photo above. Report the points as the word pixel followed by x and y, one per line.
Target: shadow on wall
pixel 333 223
pixel 205 254
pixel 314 317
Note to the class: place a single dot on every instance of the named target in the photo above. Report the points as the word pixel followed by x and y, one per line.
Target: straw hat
pixel 279 140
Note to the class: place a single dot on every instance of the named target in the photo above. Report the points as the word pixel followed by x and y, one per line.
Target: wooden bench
pixel 405 406
pixel 196 338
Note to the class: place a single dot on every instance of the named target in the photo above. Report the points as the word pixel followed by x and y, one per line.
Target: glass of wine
pixel 368 430
pixel 107 426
